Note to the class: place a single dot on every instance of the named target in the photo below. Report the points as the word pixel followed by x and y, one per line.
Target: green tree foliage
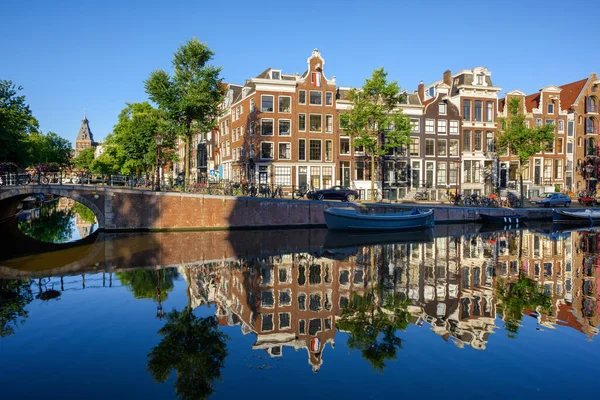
pixel 149 284
pixel 16 123
pixel 52 225
pixel 193 347
pixel 84 159
pixel 133 143
pixel 84 213
pixel 515 297
pixel 376 121
pixel 372 328
pixel 48 149
pixel 15 295
pixel 191 96
pixel 516 139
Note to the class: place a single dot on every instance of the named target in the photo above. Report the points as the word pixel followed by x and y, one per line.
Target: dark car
pixel 342 193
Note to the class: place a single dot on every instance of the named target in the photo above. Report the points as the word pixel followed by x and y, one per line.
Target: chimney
pixel 421 91
pixel 448 77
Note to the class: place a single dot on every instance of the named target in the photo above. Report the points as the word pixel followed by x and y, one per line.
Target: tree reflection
pixel 149 284
pixel 15 295
pixel 192 346
pixel 516 297
pixel 52 225
pixel 84 213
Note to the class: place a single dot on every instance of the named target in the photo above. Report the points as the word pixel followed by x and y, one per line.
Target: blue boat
pixel 348 218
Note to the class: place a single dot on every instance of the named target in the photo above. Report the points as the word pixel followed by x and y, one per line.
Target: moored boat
pixel 576 217
pixel 348 218
pixel 513 219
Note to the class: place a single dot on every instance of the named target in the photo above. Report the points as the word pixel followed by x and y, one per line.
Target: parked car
pixel 342 193
pixel 555 199
pixel 541 197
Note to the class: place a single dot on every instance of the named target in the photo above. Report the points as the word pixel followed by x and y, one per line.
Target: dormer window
pixel 276 75
pixel 550 108
pixel 245 91
pixel 480 79
pixel 442 108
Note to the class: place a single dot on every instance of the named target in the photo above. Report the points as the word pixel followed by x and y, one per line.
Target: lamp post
pixel 158 138
pixel 589 168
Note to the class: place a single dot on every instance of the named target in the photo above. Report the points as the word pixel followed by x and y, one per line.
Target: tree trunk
pixel 521 181
pixel 373 196
pixel 187 158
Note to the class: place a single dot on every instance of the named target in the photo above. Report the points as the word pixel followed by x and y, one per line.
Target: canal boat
pixel 348 218
pixel 588 217
pixel 513 219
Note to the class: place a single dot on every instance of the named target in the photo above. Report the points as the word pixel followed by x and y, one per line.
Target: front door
pixel 429 174
pixel 345 173
pixel 416 174
pixel 537 172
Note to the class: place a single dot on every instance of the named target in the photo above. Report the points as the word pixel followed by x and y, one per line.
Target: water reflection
pixel 469 290
pixel 55 219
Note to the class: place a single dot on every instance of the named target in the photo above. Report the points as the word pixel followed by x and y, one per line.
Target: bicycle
pixel 301 192
pixel 422 195
pixel 264 190
pixel 278 192
pixel 456 199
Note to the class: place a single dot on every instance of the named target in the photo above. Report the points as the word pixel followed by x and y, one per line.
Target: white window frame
pixel 302 91
pixel 308 148
pixel 272 151
pixel 279 98
pixel 415 124
pixel 320 97
pixel 328 127
pixel 550 105
pixel 445 141
pixel 289 152
pixel 309 124
pixel 442 123
pixel 454 129
pixel 261 126
pixel 561 125
pixel 457 141
pixel 302 140
pixel 349 146
pixel 430 126
pixel 305 122
pixel 442 108
pixel 430 141
pixel 325 150
pixel 262 96
pixel 278 127
pixel 329 94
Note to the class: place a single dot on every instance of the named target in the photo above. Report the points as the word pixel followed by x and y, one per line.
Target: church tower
pixel 84 137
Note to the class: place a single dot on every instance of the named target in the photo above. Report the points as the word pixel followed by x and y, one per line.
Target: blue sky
pixel 72 54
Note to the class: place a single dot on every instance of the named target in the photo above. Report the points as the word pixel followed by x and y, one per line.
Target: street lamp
pixel 589 169
pixel 159 139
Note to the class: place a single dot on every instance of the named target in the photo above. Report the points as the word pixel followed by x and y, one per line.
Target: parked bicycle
pixel 277 192
pixel 455 199
pixel 301 192
pixel 511 200
pixel 422 195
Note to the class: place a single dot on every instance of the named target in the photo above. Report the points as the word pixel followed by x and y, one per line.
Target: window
pixel 453 173
pixel 429 126
pixel 430 147
pixel 415 125
pixel 570 147
pixel 480 79
pixel 315 150
pixel 251 128
pixel 266 127
pixel 302 122
pixel 316 79
pixel 558 168
pixel 570 127
pixel 478 141
pixel 454 148
pixel 267 322
pixel 329 123
pixel 316 98
pixel 283 175
pixel 547 169
pixel 327 177
pixel 454 127
pixel 442 125
pixel 467 110
pixel 559 145
pixel 302 97
pixel 285 151
pixel 538 122
pixel 489 111
pixel 442 108
pixel 284 320
pixel 441 173
pixel 478 110
pixel 549 122
pixel 329 150
pixel 328 98
pixel 489 141
pixel 414 147
pixel 551 108
pixel 266 103
pixel 561 125
pixel 251 105
pixel 266 150
pixel 472 171
pixel 549 147
pixel 285 104
pixel 285 127
pixel 275 75
pixel 316 123
pixel 467 141
pixel 302 149
pixel 442 147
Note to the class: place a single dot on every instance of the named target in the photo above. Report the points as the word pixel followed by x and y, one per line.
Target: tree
pixel 15 295
pixel 16 123
pixel 375 121
pixel 516 139
pixel 52 225
pixel 49 149
pixel 84 213
pixel 84 159
pixel 515 297
pixel 134 136
pixel 192 346
pixel 190 97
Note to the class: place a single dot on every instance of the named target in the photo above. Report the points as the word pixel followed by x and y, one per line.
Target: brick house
pixel 278 129
pixel 548 169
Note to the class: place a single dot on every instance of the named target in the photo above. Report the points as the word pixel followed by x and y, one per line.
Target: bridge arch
pixel 92 198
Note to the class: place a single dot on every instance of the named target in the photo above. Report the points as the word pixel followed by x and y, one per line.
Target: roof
pixel 532 101
pixel 413 98
pixel 431 100
pixel 84 130
pixel 570 92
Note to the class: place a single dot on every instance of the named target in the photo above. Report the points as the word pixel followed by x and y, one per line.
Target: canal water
pixel 456 312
